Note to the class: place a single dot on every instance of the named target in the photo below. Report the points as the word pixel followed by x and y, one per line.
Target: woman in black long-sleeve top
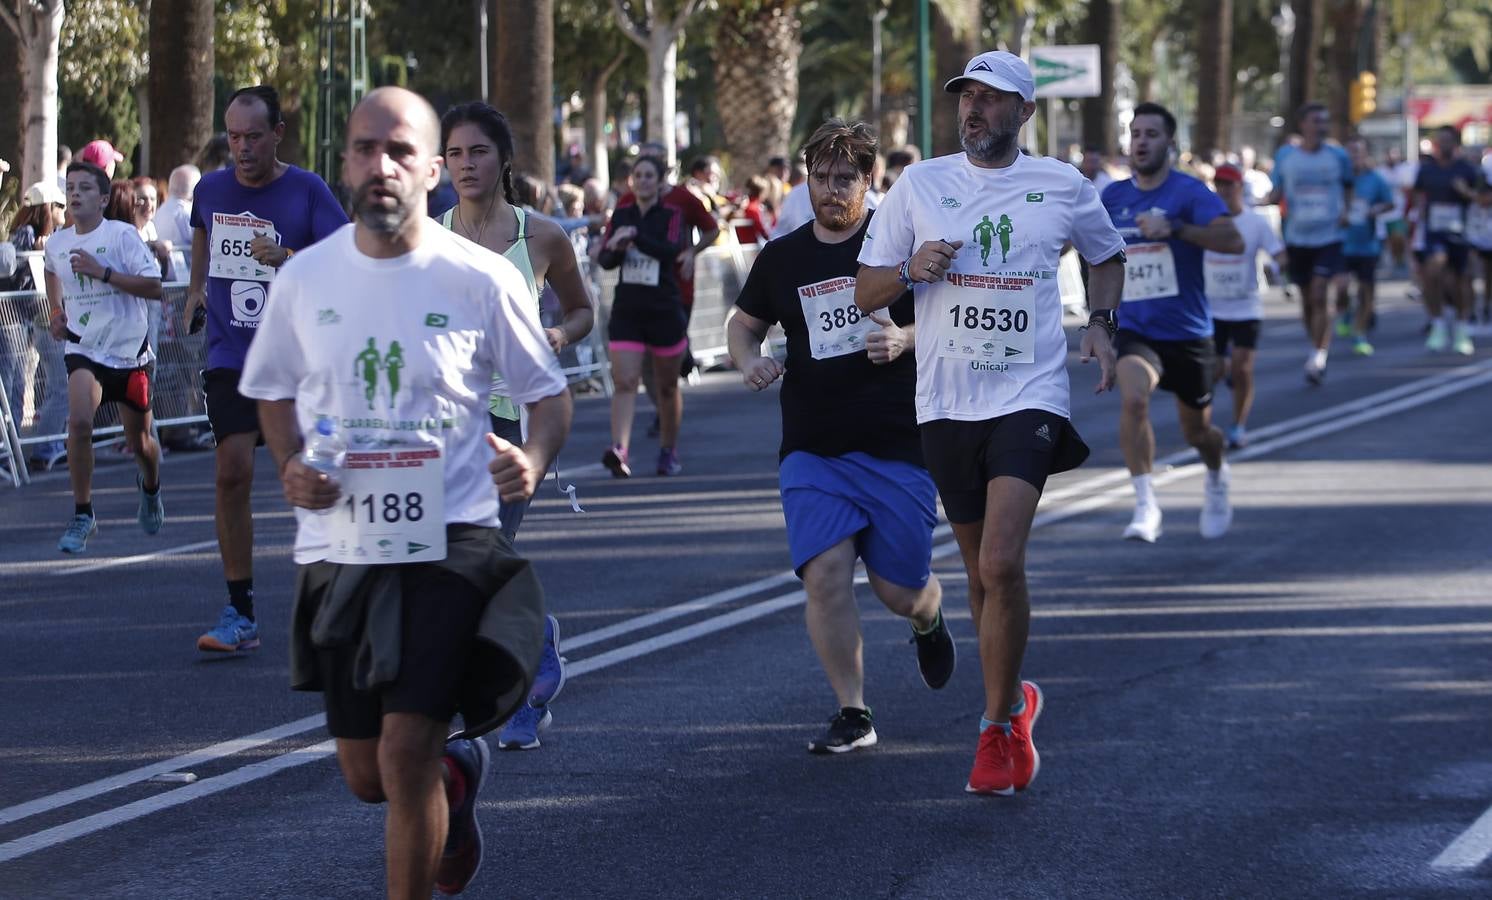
pixel 647 315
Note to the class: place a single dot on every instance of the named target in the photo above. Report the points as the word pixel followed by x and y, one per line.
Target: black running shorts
pixel 228 411
pixel 1185 367
pixel 441 612
pixel 128 386
pixel 964 457
pixel 1363 268
pixel 1243 334
pixel 1306 263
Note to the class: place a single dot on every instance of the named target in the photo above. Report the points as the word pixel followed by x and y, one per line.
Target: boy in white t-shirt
pixel 99 275
pixel 1233 293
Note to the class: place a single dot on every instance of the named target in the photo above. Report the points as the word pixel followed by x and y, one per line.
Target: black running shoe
pixel 936 654
pixel 850 729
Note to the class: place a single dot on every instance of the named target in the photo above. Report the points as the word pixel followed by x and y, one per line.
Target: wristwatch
pixel 1108 318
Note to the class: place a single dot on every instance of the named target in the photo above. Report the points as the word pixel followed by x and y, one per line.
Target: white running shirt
pixel 989 337
pixel 113 325
pixel 1232 280
pixel 401 352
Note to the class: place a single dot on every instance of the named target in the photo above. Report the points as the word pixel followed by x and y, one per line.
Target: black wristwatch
pixel 108 273
pixel 1108 318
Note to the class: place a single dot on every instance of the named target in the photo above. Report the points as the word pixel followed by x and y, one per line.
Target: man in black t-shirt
pixel 851 472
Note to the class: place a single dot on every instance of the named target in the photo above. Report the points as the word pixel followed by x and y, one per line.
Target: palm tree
pixel 523 81
pixel 757 45
pixel 180 88
pixel 955 27
pixel 1214 75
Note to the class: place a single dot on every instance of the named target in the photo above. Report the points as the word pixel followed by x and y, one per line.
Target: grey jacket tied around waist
pixel 340 605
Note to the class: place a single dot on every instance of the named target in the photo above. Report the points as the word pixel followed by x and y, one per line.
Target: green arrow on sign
pixel 1048 71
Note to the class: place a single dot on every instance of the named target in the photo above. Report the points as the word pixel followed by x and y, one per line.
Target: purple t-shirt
pixel 301 210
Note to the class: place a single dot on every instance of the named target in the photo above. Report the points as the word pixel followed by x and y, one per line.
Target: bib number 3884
pixel 392 508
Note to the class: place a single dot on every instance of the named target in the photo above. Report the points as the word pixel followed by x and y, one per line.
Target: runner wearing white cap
pixel 992 390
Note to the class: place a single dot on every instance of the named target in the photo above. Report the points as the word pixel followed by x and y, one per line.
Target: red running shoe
pixel 1027 761
pixel 994 768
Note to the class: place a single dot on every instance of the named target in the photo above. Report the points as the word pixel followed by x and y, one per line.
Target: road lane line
pixel 186 761
pixel 1474 376
pixel 1470 850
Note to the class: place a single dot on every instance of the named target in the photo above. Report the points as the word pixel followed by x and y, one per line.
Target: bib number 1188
pixel 390 508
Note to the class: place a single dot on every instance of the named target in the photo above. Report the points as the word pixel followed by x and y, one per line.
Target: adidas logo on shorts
pixel 1045 433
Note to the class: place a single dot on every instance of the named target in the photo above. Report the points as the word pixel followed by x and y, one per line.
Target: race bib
pixel 836 326
pixel 228 247
pixel 1446 217
pixel 1150 272
pixel 1226 275
pixel 639 268
pixel 987 318
pixel 392 508
pixel 1357 213
pixel 1312 203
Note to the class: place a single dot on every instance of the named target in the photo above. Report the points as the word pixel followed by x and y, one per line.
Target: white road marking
pixel 1470 850
pixel 1446 384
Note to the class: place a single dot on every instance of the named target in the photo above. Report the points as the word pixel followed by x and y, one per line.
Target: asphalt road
pixel 1299 709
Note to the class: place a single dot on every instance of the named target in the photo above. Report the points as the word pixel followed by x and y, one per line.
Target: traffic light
pixel 1362 96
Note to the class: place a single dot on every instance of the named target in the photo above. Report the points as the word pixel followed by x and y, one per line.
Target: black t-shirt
pixel 843 403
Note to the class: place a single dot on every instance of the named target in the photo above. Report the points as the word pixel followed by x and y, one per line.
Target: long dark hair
pixel 121 205
pixel 493 124
pixel 39 217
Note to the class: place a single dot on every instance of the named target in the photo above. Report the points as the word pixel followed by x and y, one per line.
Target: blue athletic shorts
pixel 889 507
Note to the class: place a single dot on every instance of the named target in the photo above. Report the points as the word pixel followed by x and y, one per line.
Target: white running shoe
pixel 1145 526
pixel 1439 337
pixel 1217 512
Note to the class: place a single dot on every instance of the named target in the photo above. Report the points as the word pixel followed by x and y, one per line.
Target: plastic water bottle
pixel 325 451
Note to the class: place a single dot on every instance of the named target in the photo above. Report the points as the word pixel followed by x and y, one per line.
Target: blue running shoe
pixel 463 853
pixel 550 679
pixel 152 513
pixel 79 530
pixel 232 633
pixel 522 731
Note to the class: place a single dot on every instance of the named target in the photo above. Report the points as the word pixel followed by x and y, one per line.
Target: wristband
pixel 1108 318
pixel 903 273
pixel 108 273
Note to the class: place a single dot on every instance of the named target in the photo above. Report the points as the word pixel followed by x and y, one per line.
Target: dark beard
pixel 384 221
pixel 842 219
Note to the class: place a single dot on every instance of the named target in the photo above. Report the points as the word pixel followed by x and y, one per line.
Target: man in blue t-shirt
pixel 1371 198
pixel 1164 340
pixel 1444 187
pixel 246 221
pixel 1313 185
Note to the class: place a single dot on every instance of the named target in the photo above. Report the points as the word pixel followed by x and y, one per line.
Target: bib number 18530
pixel 982 318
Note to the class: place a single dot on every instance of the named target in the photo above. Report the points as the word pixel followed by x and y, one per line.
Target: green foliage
pixel 102 59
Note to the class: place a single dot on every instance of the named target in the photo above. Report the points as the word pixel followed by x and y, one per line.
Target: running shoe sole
pixel 209 644
pixel 533 744
pixel 616 465
pixel 1031 730
pixel 867 740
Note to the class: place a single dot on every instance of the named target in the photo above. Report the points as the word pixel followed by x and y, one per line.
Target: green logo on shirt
pixel 984 234
pixel 436 320
pixel 83 320
pixel 370 361
pixel 1035 197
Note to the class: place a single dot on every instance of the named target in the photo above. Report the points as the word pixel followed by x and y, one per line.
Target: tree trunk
pixel 11 81
pixel 1346 25
pixel 40 34
pixel 181 87
pixel 523 81
pixel 595 117
pixel 955 25
pixel 1214 76
pixel 663 59
pixel 1100 123
pixel 1019 40
pixel 1305 49
pixel 756 56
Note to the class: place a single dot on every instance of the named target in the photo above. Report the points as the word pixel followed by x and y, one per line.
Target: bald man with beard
pixel 399 551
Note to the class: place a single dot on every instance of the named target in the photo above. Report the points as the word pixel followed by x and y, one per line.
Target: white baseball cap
pixel 42 193
pixel 999 70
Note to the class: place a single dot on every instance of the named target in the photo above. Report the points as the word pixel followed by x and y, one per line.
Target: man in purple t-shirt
pixel 246 221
